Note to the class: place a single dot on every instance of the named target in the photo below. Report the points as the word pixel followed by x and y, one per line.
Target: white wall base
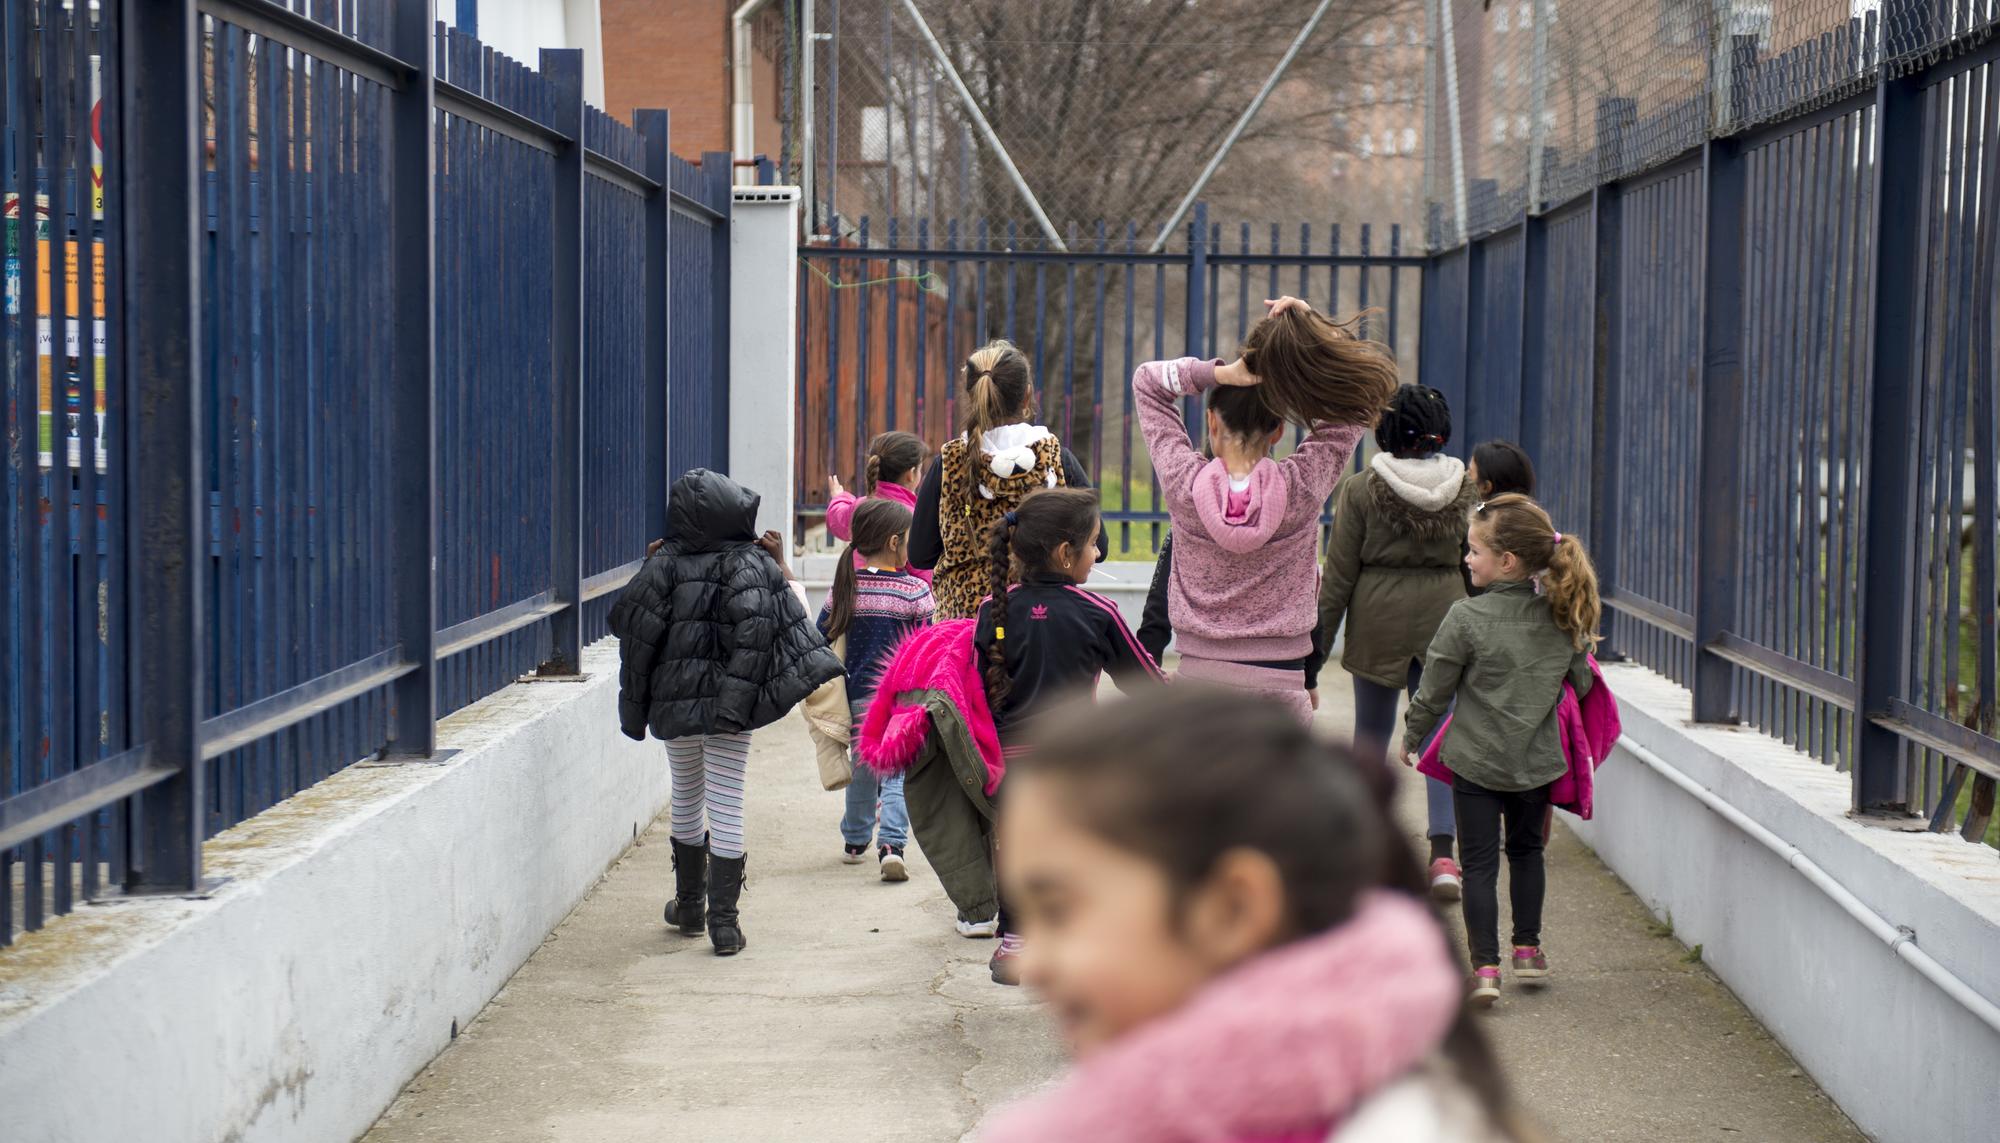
pixel 361 924
pixel 1899 1056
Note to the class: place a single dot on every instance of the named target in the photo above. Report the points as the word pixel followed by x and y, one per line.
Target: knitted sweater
pixel 1246 566
pixel 888 605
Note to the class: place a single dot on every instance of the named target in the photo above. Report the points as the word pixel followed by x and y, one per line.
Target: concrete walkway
pixel 857 1013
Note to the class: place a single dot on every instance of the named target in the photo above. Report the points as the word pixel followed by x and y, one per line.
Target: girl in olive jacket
pixel 1392 571
pixel 1503 659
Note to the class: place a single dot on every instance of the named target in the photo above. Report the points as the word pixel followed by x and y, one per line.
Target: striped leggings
pixel 708 775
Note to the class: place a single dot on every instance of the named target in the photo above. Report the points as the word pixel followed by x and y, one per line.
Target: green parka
pixel 1392 564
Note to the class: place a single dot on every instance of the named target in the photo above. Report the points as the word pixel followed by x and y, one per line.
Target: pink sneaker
pixel 1006 963
pixel 1531 963
pixel 1485 986
pixel 1446 884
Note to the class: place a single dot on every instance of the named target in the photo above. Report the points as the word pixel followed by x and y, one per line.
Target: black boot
pixel 685 912
pixel 723 888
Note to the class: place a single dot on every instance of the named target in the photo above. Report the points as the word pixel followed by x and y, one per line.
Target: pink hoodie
pixel 1280 1048
pixel 1245 582
pixel 840 518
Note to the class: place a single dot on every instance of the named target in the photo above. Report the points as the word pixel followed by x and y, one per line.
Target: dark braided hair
pixel 1026 540
pixel 1417 422
pixel 892 456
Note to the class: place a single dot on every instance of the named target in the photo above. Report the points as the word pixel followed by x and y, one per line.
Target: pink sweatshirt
pixel 1245 581
pixel 840 518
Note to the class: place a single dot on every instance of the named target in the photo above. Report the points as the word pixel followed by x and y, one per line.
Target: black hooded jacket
pixel 710 639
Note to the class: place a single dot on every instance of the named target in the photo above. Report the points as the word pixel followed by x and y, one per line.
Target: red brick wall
pixel 672 54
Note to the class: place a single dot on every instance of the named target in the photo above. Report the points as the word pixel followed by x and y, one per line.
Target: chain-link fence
pixel 1535 101
pixel 1043 113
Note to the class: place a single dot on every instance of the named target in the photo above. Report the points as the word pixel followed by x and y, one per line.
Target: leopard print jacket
pixel 964 574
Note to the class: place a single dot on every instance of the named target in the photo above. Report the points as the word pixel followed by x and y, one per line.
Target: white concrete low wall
pixel 362 923
pixel 1898 1055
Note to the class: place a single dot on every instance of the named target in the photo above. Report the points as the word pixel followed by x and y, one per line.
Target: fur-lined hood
pixel 1427 498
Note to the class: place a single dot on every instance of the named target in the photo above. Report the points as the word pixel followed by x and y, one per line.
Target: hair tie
pixel 1013 518
pixel 1559 537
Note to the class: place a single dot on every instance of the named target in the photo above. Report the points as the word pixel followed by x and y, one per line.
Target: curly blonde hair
pixel 1515 523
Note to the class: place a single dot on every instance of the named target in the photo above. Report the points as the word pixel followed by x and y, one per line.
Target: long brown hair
pixel 1026 540
pixel 892 456
pixel 1142 775
pixel 997 389
pixel 1514 523
pixel 1317 370
pixel 876 523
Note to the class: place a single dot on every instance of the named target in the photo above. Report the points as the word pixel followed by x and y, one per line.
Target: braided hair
pixel 1416 424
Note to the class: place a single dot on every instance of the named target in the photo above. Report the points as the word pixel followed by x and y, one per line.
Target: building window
pixel 1409 140
pixel 1367 93
pixel 1365 147
pixel 1499 128
pixel 1500 21
pixel 874 134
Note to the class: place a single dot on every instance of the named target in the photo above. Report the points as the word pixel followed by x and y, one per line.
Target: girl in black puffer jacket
pixel 713 642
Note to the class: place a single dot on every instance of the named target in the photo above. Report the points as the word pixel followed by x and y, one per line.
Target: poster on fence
pixel 74 388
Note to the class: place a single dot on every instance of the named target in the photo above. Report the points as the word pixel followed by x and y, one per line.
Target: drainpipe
pixel 742 105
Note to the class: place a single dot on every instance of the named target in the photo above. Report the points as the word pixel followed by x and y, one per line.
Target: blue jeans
pixel 869 796
pixel 1375 733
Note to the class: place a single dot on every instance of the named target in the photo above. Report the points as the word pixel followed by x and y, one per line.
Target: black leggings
pixel 1481 813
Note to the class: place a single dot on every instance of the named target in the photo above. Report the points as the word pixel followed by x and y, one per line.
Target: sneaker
pixel 893 868
pixel 1530 962
pixel 1485 986
pixel 1006 963
pixel 854 855
pixel 979 930
pixel 1446 885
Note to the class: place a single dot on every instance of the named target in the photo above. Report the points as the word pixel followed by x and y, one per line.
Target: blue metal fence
pixel 399 344
pixel 888 318
pixel 1760 380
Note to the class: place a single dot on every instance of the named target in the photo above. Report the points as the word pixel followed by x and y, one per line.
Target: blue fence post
pixel 1197 307
pixel 1888 559
pixel 1531 414
pixel 1606 515
pixel 564 69
pixel 657 126
pixel 413 728
pixel 717 171
pixel 1718 451
pixel 1473 415
pixel 161 169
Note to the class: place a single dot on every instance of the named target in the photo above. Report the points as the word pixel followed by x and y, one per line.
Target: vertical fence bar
pixel 161 173
pixel 1608 317
pixel 1534 334
pixel 715 173
pixel 657 128
pixel 412 114
pixel 1197 305
pixel 564 69
pixel 1888 572
pixel 1719 459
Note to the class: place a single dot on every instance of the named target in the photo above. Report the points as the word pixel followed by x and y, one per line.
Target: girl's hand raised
pixel 1288 302
pixel 833 482
pixel 1235 374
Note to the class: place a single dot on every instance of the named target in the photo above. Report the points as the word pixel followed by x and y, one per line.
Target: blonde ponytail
pixel 1515 523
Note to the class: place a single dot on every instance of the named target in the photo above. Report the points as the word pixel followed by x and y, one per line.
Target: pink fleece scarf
pixel 1240 521
pixel 1285 1045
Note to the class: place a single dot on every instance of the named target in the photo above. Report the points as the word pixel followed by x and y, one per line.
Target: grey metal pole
pixel 1451 115
pixel 1538 101
pixel 1236 132
pixel 985 128
pixel 808 107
